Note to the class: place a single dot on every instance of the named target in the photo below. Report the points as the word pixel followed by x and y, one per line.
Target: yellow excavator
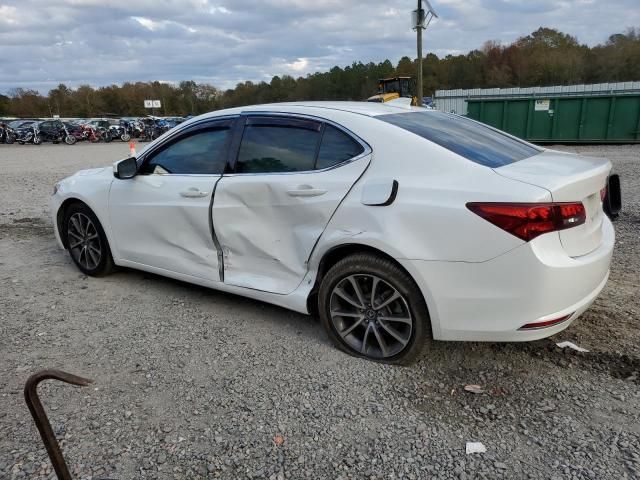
pixel 394 88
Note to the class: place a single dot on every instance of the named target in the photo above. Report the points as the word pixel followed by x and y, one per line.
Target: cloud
pixel 227 41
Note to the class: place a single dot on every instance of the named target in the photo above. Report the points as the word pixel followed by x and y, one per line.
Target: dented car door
pixel 161 217
pixel 289 177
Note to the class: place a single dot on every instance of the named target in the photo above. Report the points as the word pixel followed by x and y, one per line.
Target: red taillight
pixel 528 220
pixel 546 323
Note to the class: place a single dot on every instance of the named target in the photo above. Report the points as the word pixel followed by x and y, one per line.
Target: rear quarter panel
pixel 428 219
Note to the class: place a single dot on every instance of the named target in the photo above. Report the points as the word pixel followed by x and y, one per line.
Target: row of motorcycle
pixel 57 131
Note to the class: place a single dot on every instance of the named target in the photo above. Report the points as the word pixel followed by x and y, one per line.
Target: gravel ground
pixel 191 383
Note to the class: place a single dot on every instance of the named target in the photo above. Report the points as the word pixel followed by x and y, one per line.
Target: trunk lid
pixel 569 178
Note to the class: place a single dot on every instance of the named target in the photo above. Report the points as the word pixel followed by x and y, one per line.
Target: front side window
pixel 471 140
pixel 200 153
pixel 277 148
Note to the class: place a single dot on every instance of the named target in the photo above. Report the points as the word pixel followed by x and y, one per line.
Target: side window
pixel 202 152
pixel 336 147
pixel 277 148
pixel 46 125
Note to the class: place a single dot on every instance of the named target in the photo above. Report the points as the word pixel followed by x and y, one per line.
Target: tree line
pixel 545 57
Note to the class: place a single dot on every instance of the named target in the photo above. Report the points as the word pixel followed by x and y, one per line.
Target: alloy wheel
pixel 371 316
pixel 84 241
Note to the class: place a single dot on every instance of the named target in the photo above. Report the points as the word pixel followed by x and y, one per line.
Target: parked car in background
pixel 172 122
pixel 393 224
pixel 16 124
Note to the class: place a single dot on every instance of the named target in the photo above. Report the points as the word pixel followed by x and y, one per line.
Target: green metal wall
pixel 587 119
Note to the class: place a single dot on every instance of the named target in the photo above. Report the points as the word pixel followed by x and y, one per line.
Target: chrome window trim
pixel 367 148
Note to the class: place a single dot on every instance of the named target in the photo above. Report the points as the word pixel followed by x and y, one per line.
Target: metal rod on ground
pixel 40 416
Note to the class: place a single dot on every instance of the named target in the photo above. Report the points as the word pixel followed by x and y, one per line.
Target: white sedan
pixel 394 225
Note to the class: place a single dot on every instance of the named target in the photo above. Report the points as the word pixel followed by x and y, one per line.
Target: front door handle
pixel 193 193
pixel 306 191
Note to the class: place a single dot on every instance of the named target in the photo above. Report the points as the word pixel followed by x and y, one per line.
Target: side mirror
pixel 124 169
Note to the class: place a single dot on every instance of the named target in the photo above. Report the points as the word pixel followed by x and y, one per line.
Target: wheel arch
pixel 337 253
pixel 62 210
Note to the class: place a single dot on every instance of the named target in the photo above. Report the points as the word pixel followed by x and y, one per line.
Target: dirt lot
pixel 191 383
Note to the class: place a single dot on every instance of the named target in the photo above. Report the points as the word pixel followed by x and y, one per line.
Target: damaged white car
pixel 395 225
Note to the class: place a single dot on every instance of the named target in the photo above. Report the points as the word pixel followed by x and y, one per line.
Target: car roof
pixel 370 109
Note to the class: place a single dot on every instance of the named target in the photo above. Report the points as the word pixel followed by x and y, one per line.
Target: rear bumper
pixel 535 282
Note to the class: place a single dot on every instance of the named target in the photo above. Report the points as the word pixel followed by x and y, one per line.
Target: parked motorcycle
pixel 7 134
pixel 69 138
pixel 120 131
pixel 95 135
pixel 56 131
pixel 75 131
pixel 151 129
pixel 30 134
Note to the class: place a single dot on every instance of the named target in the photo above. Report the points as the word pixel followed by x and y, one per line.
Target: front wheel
pixel 70 139
pixel 371 308
pixel 37 140
pixel 107 137
pixel 86 241
pixel 10 139
pixel 125 137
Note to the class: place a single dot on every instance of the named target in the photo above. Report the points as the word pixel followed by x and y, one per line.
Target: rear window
pixel 471 140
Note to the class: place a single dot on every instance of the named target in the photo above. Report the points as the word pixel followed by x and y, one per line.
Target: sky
pixel 223 42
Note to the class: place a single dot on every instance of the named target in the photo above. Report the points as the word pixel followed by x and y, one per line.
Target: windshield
pixel 19 123
pixel 471 140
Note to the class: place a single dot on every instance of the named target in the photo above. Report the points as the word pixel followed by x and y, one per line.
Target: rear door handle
pixel 306 191
pixel 193 193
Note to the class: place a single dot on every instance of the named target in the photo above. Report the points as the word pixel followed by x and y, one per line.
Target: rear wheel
pixel 371 308
pixel 86 241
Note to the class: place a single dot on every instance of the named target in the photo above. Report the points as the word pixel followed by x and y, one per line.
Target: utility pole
pixel 419 35
pixel 421 20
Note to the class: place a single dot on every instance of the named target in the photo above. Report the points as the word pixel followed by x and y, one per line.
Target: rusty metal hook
pixel 40 416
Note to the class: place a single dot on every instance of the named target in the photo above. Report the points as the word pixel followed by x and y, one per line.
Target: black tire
pixel 10 139
pixel 70 140
pixel 368 265
pixel 86 263
pixel 37 140
pixel 106 136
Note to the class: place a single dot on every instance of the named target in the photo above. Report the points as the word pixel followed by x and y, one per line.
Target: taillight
pixel 528 220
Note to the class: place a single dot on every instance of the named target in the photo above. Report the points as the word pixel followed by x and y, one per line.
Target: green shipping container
pixel 562 119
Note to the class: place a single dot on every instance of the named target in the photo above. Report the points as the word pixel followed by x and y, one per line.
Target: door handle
pixel 306 191
pixel 193 193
